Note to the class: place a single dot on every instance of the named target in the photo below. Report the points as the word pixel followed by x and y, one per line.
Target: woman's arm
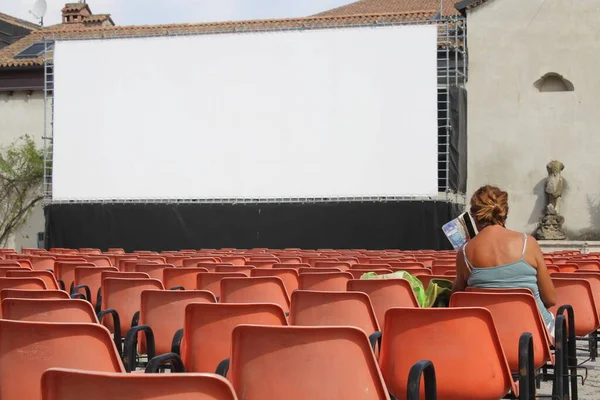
pixel 547 291
pixel 460 283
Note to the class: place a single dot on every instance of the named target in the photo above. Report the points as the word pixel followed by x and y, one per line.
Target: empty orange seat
pixel 328 281
pixel 211 281
pixel 89 279
pixel 65 272
pixel 310 270
pixel 357 273
pixel 42 263
pixel 27 349
pixel 385 294
pixel 293 358
pixel 181 277
pixel 465 368
pixel 22 283
pixel 46 276
pixel 266 289
pixel 578 294
pixel 153 270
pixel 289 276
pixel 207 330
pixel 341 265
pixel 33 294
pixel 49 310
pixel 334 309
pixel 244 269
pixel 66 384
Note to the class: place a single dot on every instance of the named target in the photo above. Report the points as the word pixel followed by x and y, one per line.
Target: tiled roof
pixel 78 32
pixel 392 6
pixel 74 7
pixel 18 22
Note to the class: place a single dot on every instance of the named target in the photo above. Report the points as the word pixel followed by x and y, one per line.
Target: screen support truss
pixel 451 71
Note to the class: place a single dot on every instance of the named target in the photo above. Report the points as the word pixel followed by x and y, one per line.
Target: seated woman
pixel 500 258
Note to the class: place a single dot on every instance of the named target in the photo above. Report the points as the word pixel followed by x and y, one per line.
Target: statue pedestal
pixel 584 246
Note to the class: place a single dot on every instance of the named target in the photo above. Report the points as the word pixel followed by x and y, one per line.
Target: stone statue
pixel 550 227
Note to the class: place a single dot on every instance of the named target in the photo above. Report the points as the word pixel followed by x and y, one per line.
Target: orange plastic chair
pixel 65 272
pixel 289 276
pixel 294 266
pixel 244 269
pixel 5 270
pixel 578 294
pixel 89 279
pixel 181 277
pixel 372 265
pixel 513 314
pixel 406 264
pixel 22 283
pixel 46 276
pixel 234 260
pixel 49 310
pixel 310 270
pixel 176 260
pixel 591 264
pixel 123 275
pixel 67 384
pixel 207 330
pixel 335 309
pixel 161 313
pixel 99 260
pixel 267 289
pixel 329 281
pixel 154 271
pixel 442 269
pixel 27 349
pixel 12 264
pixel 262 263
pixel 385 294
pixel 290 260
pixel 33 294
pixel 568 267
pixel 341 265
pixel 464 368
pixel 293 354
pixel 211 281
pixel 192 262
pixel 42 263
pixel 499 290
pixel 124 296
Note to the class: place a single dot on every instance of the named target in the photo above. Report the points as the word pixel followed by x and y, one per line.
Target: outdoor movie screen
pixel 318 113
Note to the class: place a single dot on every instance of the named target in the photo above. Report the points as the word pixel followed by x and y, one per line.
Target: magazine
pixel 460 230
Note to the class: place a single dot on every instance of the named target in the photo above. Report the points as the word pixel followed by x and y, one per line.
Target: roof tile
pixel 395 6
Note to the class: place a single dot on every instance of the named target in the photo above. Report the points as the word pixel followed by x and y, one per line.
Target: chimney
pixel 75 13
pixel 80 13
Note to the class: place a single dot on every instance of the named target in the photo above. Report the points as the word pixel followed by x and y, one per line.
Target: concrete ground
pixel 590 390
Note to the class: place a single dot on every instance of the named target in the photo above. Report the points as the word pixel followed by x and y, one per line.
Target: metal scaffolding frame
pixel 451 71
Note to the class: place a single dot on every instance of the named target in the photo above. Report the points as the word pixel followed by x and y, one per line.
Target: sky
pixel 146 12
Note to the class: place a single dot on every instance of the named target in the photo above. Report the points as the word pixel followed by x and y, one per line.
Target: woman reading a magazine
pixel 500 258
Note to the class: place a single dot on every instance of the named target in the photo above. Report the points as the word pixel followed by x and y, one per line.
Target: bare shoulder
pixel 533 243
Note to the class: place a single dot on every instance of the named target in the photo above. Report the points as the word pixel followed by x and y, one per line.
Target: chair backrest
pixel 153 270
pixel 191 262
pixel 207 330
pixel 22 283
pixel 211 281
pixel 27 349
pixel 587 264
pixel 293 357
pixel 593 277
pixel 244 269
pixel 340 265
pixel 6 270
pixel 46 276
pixel 442 269
pixel 498 290
pixel 385 294
pixel 513 313
pixel 445 336
pixel 310 270
pixel 164 311
pixel 49 310
pixel 33 294
pixel 92 278
pixel 327 281
pixel 123 275
pixel 184 277
pixel 124 295
pixel 289 276
pixel 264 289
pixel 333 309
pixel 66 384
pixel 99 260
pixel 414 271
pixel 378 264
pixel 65 271
pixel 42 263
pixel 406 264
pixel 577 293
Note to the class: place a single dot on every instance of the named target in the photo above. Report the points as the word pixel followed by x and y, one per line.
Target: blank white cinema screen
pixel 347 112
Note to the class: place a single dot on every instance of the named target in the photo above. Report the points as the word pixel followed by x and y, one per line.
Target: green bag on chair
pixel 437 294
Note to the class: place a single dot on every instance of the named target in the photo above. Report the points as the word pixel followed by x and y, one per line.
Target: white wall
pixel 514 130
pixel 21 114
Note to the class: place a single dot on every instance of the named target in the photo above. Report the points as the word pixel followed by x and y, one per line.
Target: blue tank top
pixel 518 274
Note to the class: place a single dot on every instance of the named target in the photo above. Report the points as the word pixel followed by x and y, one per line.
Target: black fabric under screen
pixel 363 225
pixel 457 174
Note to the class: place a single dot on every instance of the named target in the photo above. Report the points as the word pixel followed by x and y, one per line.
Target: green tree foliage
pixel 21 174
